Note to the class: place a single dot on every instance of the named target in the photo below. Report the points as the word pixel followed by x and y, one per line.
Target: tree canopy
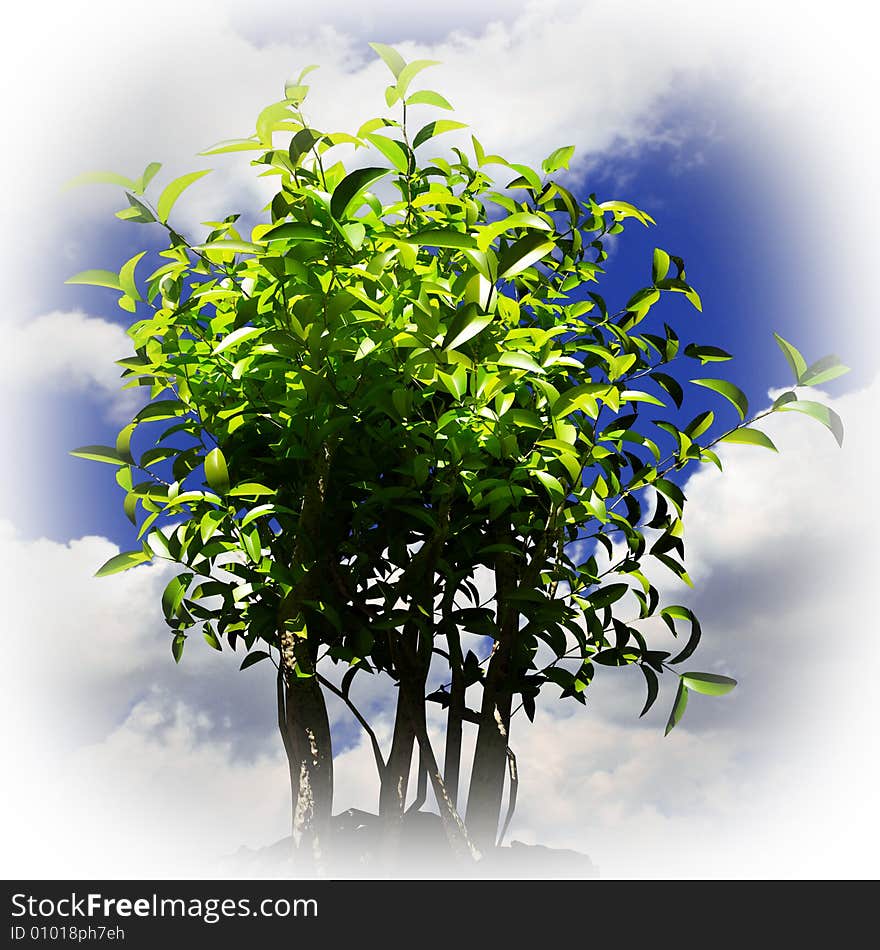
pixel 392 423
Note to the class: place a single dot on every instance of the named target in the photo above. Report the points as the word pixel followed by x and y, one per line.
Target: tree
pixel 394 423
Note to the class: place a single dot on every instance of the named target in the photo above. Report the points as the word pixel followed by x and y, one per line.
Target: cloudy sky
pixel 749 133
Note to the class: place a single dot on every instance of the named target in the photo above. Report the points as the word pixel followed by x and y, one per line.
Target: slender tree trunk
pixel 392 795
pixel 302 714
pixel 306 734
pixel 490 756
pixel 452 757
pixel 395 782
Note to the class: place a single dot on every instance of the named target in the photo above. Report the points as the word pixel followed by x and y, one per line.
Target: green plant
pixel 395 414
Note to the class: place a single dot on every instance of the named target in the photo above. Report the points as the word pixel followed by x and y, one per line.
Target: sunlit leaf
pixel 797 363
pixel 727 389
pixel 393 60
pixel 747 436
pixel 174 190
pixel 824 414
pixel 216 471
pixel 122 562
pixel 351 188
pixel 709 683
pixel 678 707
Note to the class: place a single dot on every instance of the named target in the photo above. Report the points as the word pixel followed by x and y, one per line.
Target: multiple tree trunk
pixel 304 722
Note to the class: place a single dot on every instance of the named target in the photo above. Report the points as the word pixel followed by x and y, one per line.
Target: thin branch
pixel 374 742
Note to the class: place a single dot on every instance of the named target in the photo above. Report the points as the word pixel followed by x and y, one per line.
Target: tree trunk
pixel 452 758
pixel 302 711
pixel 490 756
pixel 306 733
pixel 392 795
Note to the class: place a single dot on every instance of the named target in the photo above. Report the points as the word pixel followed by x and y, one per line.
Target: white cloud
pixel 69 352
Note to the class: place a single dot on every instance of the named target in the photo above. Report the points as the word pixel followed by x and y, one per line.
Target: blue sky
pixel 759 172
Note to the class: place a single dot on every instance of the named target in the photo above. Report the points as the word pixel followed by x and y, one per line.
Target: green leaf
pixel 211 637
pixel 706 354
pixel 522 254
pixel 126 277
pixel 673 612
pixel 351 187
pixel 576 399
pixel 123 442
pixel 230 247
pixel 466 325
pixel 136 211
pixel 729 391
pixel 828 368
pixel 295 92
pixel 393 60
pixel 428 98
pixel 216 471
pixel 519 360
pixel 211 521
pixel 623 209
pixel 99 453
pixel 301 144
pixel 255 513
pixel 251 490
pixel 784 398
pixel 96 278
pixel 410 71
pixel 233 145
pixel 174 190
pixel 709 683
pixel 636 395
pixel 455 382
pixel 443 237
pixel 364 349
pixel 607 595
pixel 558 159
pixel 551 483
pixel 253 657
pixel 660 265
pixel 252 544
pixel 653 687
pixel 354 233
pixel 122 562
pixel 161 409
pixel 797 363
pixel 529 178
pixel 437 127
pixel 521 219
pixel 699 424
pixel 678 707
pixel 291 231
pixel 149 174
pixel 827 416
pixel 672 492
pixel 173 594
pixel 237 336
pixel 177 645
pixel 102 178
pixel 391 149
pixel 746 436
